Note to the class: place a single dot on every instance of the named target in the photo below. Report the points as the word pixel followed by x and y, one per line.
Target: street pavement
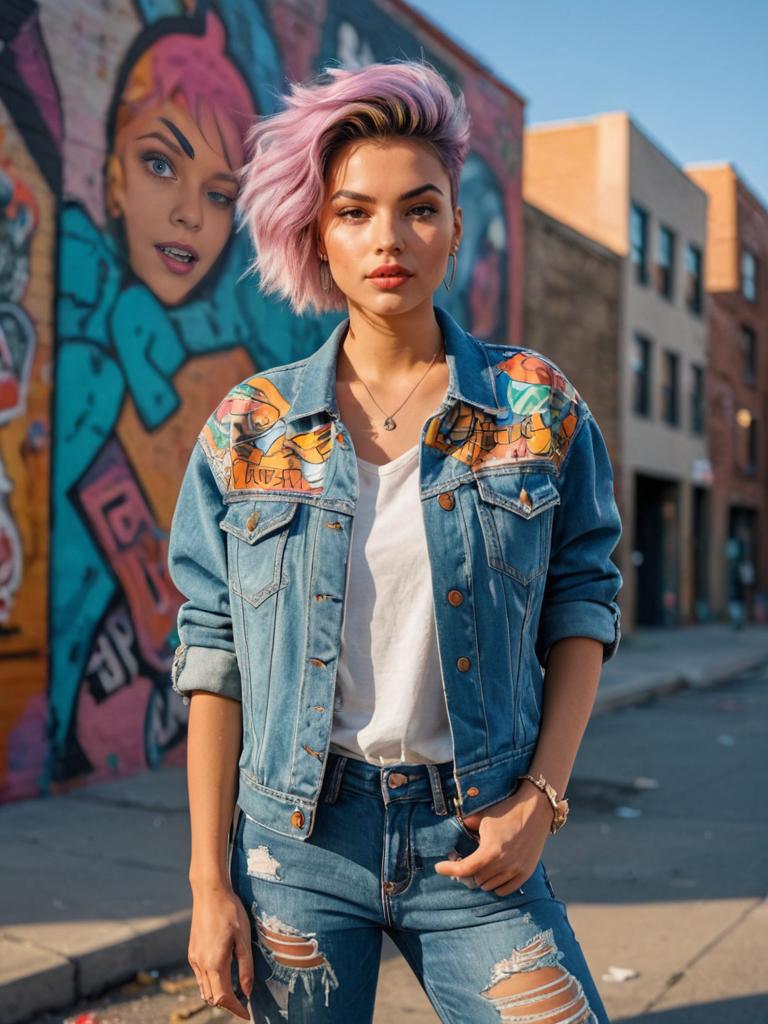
pixel 662 863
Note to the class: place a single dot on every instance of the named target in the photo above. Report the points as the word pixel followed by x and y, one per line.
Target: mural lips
pixel 179 258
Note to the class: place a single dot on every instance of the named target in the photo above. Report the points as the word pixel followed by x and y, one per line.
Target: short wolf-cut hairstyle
pixel 283 181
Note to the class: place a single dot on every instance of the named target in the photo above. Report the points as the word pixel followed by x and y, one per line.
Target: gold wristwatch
pixel 559 807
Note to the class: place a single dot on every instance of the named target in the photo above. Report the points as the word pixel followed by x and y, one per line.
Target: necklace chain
pixel 389 421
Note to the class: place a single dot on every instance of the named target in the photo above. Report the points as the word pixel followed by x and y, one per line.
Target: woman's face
pixel 388 202
pixel 175 190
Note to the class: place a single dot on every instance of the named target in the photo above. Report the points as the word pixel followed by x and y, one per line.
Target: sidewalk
pixel 94 882
pixel 658 660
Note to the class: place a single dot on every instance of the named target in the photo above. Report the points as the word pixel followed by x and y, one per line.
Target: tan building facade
pixel 605 178
pixel 737 387
pixel 572 313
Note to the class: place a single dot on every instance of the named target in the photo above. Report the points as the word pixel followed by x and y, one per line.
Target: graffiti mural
pixel 124 317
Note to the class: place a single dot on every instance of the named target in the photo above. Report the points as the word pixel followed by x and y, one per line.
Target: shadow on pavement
pixel 748 1010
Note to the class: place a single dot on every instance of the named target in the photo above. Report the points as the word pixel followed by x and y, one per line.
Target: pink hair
pixel 283 182
pixel 196 70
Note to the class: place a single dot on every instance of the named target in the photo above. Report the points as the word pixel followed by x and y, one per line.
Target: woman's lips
pixel 389 282
pixel 179 259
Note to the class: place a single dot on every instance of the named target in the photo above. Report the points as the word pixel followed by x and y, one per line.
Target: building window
pixel 697 399
pixel 693 278
pixel 665 262
pixel 749 275
pixel 639 242
pixel 641 376
pixel 749 349
pixel 670 405
pixel 751 466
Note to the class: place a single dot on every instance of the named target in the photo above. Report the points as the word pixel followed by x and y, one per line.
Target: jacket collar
pixel 470 374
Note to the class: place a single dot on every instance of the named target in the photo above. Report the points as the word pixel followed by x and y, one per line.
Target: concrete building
pixel 737 384
pixel 606 178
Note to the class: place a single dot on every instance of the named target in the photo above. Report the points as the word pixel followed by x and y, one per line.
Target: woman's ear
pixel 115 187
pixel 458 228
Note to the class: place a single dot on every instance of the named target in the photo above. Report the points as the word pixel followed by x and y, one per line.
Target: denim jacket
pixel 520 520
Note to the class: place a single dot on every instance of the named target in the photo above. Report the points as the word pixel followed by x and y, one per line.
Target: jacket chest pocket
pixel 515 512
pixel 260 531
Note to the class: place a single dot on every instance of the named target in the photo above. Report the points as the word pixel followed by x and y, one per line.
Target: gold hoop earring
pixel 326 279
pixel 449 284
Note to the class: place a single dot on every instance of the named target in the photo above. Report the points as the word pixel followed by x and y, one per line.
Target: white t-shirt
pixel 390 706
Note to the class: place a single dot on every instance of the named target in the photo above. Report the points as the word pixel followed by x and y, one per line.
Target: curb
pixel 40 980
pixel 637 691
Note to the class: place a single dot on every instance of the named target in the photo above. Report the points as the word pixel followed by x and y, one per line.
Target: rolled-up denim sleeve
pixel 197 561
pixel 582 581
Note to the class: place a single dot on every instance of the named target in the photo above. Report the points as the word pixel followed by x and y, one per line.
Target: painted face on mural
pixel 388 202
pixel 173 183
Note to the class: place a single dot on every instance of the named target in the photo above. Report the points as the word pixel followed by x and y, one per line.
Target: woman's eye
pixel 350 214
pixel 423 209
pixel 158 165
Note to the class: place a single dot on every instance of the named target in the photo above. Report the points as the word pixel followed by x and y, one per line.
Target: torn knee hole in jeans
pixel 531 985
pixel 292 955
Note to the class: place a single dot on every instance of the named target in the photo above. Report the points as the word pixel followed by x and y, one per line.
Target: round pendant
pixel 389 423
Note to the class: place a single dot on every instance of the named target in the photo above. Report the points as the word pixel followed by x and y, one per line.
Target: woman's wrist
pixel 209 880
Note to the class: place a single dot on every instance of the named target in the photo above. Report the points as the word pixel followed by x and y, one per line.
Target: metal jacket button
pixel 252 520
pixel 463 664
pixel 445 500
pixel 455 597
pixel 473 791
pixel 297 819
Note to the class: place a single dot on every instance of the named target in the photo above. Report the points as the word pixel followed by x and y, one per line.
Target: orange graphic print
pixel 539 423
pixel 247 446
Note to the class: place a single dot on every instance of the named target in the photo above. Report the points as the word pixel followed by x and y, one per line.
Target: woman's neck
pixel 388 351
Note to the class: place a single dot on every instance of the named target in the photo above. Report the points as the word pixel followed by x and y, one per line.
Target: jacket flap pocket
pixel 252 520
pixel 527 493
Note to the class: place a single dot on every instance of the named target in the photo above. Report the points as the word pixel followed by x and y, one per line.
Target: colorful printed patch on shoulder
pixel 540 422
pixel 246 442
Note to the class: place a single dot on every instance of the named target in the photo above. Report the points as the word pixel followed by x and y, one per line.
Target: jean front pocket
pixel 472 837
pixel 516 512
pixel 259 530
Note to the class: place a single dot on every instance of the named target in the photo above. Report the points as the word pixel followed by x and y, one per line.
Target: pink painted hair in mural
pixel 283 182
pixel 196 71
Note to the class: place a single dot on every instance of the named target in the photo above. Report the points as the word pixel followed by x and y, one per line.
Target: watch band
pixel 559 807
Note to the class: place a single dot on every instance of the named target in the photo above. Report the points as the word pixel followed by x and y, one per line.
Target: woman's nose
pixel 388 234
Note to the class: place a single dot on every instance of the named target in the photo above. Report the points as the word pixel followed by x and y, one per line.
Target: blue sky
pixel 692 73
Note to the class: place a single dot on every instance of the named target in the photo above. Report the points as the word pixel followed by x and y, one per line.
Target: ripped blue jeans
pixel 318 909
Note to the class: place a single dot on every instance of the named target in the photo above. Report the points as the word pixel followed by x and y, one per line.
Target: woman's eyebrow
pixel 344 193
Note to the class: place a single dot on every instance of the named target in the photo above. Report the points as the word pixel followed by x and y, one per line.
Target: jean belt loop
pixel 436 785
pixel 334 783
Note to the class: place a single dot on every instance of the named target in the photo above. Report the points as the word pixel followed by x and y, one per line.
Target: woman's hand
pixel 220 930
pixel 512 835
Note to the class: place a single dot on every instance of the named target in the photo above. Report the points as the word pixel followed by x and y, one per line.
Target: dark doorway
pixel 701 547
pixel 742 557
pixel 656 551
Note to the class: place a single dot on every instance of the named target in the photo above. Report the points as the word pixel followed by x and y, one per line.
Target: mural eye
pixel 158 165
pixel 220 199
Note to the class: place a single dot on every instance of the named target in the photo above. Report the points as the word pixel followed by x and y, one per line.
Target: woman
pixel 382 546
